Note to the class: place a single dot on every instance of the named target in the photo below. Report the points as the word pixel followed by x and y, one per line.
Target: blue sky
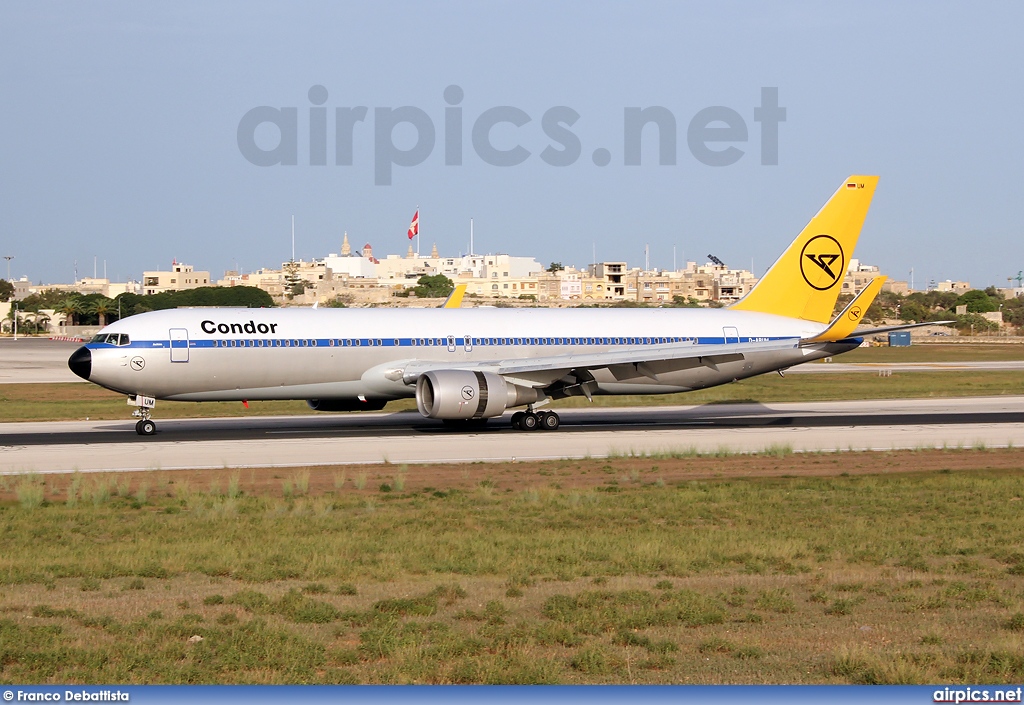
pixel 119 130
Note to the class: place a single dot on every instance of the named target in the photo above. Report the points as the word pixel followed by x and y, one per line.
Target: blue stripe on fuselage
pixel 291 343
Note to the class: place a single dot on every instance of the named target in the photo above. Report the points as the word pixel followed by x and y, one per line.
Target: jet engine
pixel 465 394
pixel 346 404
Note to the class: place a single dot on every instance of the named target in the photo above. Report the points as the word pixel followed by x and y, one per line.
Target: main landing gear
pixel 530 420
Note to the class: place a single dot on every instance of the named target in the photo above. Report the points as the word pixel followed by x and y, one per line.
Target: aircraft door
pixel 467 343
pixel 179 345
pixel 731 334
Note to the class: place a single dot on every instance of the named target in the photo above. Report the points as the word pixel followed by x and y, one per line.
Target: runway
pixel 35 361
pixel 405 437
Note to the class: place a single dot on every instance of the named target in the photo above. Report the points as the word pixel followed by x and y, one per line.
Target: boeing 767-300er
pixel 466 365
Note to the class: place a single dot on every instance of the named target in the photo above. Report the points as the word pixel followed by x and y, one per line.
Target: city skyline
pixel 679 263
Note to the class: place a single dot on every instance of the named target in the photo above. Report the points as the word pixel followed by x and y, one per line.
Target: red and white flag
pixel 414 227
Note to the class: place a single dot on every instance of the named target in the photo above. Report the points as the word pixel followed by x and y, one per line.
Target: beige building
pixel 955 287
pixel 85 285
pixel 896 287
pixel 178 278
pixel 858 276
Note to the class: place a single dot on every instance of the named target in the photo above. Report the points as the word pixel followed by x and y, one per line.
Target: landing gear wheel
pixel 549 421
pixel 517 420
pixel 146 427
pixel 529 422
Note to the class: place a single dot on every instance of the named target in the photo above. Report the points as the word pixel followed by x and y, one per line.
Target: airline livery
pixel 469 365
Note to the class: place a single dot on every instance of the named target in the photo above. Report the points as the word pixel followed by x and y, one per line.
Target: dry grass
pixel 788 568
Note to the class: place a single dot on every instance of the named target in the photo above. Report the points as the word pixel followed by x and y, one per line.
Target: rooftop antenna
pixel 470 237
pixel 293 238
pixel 673 258
pixel 647 258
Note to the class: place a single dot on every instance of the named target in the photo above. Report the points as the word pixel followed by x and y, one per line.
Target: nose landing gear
pixel 145 426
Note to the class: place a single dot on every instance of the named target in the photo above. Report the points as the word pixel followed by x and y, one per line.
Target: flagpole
pixel 418 228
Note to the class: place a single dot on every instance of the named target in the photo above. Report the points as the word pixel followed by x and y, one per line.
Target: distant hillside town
pixel 356 277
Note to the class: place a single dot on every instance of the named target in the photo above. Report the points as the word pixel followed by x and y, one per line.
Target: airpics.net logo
pixel 715 136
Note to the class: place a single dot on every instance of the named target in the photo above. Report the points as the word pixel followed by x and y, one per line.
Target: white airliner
pixel 468 365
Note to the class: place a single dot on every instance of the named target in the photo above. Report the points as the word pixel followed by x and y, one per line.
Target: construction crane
pixel 1019 278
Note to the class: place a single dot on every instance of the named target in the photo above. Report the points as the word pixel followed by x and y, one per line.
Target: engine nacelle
pixel 346 404
pixel 465 394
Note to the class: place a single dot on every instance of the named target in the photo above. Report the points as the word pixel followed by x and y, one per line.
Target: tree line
pixel 924 306
pixel 96 309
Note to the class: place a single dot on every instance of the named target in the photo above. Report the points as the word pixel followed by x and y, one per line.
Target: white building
pixel 178 278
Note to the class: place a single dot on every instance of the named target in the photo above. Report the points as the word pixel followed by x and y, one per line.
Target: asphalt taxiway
pixel 405 437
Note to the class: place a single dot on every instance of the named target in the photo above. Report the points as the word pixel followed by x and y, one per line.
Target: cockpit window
pixel 111 338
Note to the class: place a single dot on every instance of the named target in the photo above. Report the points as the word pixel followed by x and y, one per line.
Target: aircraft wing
pixel 541 371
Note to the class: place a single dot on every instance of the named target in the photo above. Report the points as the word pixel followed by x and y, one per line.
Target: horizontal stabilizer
pixel 883 329
pixel 850 317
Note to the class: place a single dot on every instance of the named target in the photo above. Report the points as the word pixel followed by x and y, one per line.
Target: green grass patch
pixel 704 581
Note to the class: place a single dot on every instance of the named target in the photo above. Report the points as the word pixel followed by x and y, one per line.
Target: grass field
pixel 59 402
pixel 937 352
pixel 779 568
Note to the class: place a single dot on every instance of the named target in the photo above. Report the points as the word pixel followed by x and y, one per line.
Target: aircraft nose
pixel 80 362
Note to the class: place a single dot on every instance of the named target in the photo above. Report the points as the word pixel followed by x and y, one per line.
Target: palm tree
pixel 70 307
pixel 102 308
pixel 40 319
pixel 9 320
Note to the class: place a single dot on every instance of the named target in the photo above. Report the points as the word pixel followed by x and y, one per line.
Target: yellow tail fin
pixel 807 279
